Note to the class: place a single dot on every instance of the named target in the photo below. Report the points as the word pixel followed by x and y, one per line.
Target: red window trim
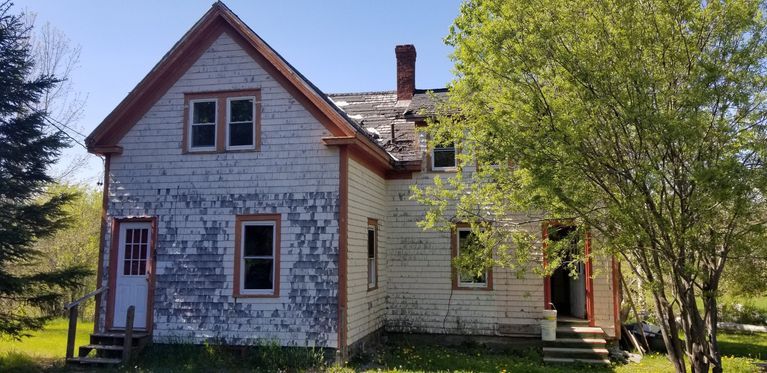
pixel 372 223
pixel 221 98
pixel 239 219
pixel 454 253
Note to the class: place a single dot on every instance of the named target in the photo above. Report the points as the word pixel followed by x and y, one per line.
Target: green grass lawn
pixel 45 351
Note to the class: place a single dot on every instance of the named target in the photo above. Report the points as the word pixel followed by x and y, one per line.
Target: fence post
pixel 128 341
pixel 71 331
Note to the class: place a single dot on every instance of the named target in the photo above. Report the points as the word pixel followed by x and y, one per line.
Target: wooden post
pixel 71 331
pixel 128 341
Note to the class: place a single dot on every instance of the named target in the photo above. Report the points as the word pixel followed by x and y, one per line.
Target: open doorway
pixel 567 284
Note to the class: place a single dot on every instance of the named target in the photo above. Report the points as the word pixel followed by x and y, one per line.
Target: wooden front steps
pixel 576 343
pixel 108 348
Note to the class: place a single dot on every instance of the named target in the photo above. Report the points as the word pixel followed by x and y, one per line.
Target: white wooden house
pixel 244 204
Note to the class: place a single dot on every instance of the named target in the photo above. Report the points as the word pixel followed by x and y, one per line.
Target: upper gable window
pixel 222 121
pixel 241 128
pixel 443 157
pixel 203 125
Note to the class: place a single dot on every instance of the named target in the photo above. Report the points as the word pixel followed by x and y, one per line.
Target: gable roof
pixel 220 19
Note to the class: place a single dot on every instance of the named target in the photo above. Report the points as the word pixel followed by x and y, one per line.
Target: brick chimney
pixel 405 71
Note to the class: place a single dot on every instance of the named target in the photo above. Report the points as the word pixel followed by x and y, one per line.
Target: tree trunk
pixel 670 331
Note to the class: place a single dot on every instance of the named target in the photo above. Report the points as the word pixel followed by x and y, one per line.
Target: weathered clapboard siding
pixel 196 198
pixel 367 199
pixel 421 298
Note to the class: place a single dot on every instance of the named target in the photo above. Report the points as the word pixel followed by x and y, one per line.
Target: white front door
pixel 132 280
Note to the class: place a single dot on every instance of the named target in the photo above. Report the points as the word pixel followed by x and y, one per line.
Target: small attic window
pixel 216 122
pixel 203 125
pixel 240 128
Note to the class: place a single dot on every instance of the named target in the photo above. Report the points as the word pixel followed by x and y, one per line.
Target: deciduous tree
pixel 643 121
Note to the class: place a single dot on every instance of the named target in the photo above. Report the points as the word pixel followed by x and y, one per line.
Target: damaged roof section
pixel 389 121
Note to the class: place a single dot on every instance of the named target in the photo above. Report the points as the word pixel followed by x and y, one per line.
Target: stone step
pixel 575 360
pixel 94 360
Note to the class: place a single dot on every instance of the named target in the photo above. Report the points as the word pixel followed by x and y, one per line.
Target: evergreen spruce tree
pixel 27 148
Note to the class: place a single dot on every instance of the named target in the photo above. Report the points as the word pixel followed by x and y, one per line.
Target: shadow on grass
pixel 467 358
pixel 752 345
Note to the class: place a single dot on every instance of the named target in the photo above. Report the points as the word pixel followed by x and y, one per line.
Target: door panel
pixel 132 280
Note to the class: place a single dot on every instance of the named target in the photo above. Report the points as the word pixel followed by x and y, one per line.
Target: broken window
pixel 372 254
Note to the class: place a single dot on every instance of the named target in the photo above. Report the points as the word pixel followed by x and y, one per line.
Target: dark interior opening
pixel 567 293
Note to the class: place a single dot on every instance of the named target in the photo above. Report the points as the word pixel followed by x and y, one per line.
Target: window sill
pixel 373 288
pixel 473 288
pixel 221 152
pixel 444 169
pixel 273 295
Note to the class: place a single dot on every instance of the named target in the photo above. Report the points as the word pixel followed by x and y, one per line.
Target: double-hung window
pixel 202 134
pixel 257 255
pixel 241 126
pixel 372 254
pixel 222 121
pixel 464 241
pixel 443 157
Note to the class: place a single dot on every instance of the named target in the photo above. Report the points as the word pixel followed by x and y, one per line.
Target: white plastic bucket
pixel 549 325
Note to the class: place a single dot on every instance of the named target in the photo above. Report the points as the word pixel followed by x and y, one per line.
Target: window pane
pixel 464 236
pixel 258 240
pixel 142 267
pixel 473 279
pixel 240 134
pixel 258 274
pixel 371 272
pixel 204 112
pixel 241 110
pixel 444 157
pixel 126 268
pixel 203 135
pixel 371 243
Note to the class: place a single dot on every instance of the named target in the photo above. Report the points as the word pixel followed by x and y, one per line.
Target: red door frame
pixel 113 265
pixel 589 271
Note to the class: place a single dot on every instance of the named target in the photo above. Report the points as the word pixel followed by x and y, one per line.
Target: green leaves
pixel 641 120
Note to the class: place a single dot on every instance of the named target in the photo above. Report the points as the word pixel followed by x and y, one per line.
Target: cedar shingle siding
pixel 196 197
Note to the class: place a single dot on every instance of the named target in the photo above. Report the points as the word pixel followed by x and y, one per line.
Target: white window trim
pixel 372 262
pixel 190 146
pixel 446 168
pixel 242 257
pixel 229 118
pixel 467 284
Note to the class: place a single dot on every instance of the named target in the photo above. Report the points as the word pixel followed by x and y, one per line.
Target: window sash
pixel 244 257
pixel 229 123
pixel 470 283
pixel 372 261
pixel 192 125
pixel 442 149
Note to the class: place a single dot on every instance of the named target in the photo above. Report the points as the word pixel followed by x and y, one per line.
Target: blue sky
pixel 341 46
